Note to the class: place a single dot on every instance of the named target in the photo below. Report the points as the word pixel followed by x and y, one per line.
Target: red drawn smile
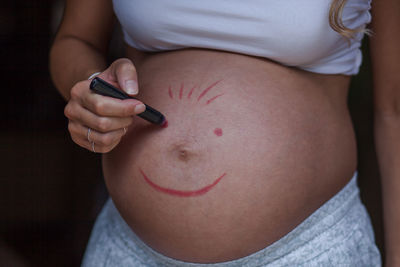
pixel 182 193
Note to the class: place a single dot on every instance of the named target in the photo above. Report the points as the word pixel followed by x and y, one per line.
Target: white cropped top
pixel 292 32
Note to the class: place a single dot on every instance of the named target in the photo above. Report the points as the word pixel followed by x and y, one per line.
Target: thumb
pixel 124 73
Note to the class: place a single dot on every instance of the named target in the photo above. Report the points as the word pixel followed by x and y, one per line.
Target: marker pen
pixel 102 87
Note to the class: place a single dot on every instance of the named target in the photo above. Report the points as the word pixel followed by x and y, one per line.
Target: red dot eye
pixel 218 131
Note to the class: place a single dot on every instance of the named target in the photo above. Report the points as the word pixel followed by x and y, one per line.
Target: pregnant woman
pixel 257 165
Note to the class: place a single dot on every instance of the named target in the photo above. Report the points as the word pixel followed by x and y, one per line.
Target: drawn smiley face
pixel 181 193
pixel 217 131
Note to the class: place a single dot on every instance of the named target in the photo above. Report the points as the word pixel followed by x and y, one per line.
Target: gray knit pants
pixel 339 233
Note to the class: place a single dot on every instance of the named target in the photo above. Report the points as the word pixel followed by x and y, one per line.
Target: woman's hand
pixel 98 122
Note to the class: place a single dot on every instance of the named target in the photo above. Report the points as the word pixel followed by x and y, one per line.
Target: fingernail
pixel 131 87
pixel 139 108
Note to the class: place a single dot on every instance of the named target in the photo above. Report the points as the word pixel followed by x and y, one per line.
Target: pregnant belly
pixel 251 149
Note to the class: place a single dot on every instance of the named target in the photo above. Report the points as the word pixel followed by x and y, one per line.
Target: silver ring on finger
pixel 88 135
pixel 92 142
pixel 124 130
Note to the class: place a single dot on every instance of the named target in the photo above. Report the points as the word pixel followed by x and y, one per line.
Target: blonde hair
pixel 335 20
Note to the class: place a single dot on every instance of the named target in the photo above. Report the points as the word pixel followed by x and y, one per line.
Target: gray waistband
pixel 322 219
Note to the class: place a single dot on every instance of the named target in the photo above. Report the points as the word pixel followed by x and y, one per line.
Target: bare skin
pixel 286 143
pixel 385 54
pixel 271 143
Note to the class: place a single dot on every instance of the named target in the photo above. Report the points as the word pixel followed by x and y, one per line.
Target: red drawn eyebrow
pixel 202 94
pixel 213 98
pixel 191 92
pixel 206 90
pixel 181 193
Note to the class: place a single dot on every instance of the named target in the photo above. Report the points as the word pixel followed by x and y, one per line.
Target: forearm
pixel 387 139
pixel 73 60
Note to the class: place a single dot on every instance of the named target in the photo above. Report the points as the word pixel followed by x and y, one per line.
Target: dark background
pixel 50 189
